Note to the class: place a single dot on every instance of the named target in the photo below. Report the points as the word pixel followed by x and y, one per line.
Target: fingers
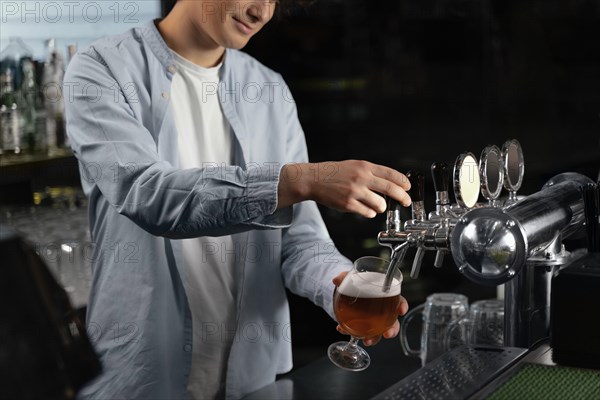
pixel 390 333
pixel 372 341
pixel 367 341
pixel 338 279
pixel 351 186
pixel 391 189
pixel 402 307
pixel 373 202
pixel 363 207
pixel 389 182
pixel 393 331
pixel 391 175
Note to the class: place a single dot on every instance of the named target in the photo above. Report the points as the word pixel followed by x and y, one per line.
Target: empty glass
pixel 439 311
pixel 484 325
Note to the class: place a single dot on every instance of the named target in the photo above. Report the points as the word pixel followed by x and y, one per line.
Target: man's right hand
pixel 350 186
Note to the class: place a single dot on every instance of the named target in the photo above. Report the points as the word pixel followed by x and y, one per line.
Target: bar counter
pixel 443 378
pixel 321 379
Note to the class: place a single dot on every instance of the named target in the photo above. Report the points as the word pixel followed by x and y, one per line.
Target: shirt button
pixel 172 69
pixel 187 348
pixel 165 95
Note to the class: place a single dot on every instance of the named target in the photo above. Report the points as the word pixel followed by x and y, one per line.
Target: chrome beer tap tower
pixel 516 241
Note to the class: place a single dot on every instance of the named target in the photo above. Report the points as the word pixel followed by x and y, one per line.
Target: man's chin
pixel 237 46
pixel 237 43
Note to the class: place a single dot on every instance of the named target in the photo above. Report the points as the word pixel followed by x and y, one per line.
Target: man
pixel 201 205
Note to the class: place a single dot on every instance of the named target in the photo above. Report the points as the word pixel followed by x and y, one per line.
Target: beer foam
pixel 368 285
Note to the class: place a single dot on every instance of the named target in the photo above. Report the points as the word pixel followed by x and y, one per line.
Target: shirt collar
pixel 162 51
pixel 157 43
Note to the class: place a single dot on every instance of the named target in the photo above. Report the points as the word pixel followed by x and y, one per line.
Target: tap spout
pixel 398 254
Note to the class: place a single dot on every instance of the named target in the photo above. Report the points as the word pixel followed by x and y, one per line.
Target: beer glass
pixel 364 307
pixel 484 325
pixel 438 312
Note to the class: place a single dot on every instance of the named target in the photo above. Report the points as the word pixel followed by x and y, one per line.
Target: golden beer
pixel 362 308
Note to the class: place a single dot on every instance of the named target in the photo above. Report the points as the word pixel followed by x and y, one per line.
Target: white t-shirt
pixel 205 136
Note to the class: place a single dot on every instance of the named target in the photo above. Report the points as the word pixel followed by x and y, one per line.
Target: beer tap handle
pixel 417 194
pixel 514 168
pixel 416 267
pixel 417 185
pixel 393 222
pixel 440 174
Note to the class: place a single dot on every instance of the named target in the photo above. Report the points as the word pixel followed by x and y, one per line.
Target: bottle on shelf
pixel 54 70
pixel 11 58
pixel 15 64
pixel 10 118
pixel 31 138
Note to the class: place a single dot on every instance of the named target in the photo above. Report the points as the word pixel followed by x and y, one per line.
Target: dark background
pixel 406 83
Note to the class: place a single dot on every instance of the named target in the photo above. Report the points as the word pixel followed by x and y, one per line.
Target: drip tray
pixel 533 381
pixel 459 373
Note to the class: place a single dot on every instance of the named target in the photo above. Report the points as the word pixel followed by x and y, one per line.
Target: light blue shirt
pixel 117 95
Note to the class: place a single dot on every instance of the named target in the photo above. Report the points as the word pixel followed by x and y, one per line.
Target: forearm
pixel 293 187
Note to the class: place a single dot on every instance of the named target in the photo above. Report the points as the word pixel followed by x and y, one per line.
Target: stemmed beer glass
pixel 364 307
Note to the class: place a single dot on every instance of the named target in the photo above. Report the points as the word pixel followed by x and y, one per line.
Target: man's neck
pixel 188 40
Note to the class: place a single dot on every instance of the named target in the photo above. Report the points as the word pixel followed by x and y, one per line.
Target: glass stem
pixel 352 345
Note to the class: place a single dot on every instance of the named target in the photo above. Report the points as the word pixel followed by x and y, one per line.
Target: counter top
pixel 323 380
pixel 389 366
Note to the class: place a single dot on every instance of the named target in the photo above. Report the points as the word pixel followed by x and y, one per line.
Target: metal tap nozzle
pixel 393 221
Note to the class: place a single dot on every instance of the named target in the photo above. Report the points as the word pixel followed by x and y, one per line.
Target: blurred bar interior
pixel 404 83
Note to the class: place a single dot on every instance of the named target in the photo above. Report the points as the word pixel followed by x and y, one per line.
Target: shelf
pixel 12 160
pixel 22 175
